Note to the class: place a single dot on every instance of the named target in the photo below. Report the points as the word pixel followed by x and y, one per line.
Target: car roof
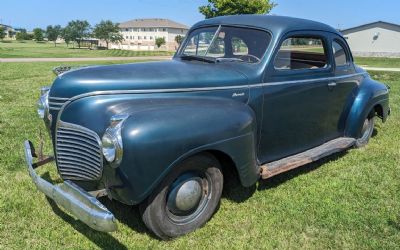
pixel 275 24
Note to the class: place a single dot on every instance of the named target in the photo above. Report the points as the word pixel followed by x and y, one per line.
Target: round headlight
pixel 43 105
pixel 109 147
pixel 112 141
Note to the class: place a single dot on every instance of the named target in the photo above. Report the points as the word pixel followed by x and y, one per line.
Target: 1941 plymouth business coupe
pixel 259 95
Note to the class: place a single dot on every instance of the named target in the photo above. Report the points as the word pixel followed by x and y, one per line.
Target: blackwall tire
pixel 170 212
pixel 366 133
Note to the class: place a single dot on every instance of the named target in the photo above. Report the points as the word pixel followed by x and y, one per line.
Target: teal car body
pixel 246 114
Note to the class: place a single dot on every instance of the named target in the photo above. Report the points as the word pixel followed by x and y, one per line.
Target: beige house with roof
pixel 140 34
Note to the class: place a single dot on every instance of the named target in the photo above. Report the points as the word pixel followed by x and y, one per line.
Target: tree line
pixel 75 31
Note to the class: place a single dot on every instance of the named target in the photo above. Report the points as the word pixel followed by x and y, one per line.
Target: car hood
pixel 174 74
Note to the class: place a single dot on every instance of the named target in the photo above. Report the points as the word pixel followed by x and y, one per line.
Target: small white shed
pixel 380 39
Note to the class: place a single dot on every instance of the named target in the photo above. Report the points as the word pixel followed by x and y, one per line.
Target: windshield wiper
pixel 229 59
pixel 198 58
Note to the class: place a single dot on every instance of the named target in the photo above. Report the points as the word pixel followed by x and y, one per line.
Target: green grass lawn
pixel 378 62
pixel 31 49
pixel 350 200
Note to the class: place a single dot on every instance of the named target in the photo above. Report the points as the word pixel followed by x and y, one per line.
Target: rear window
pixel 301 53
pixel 339 52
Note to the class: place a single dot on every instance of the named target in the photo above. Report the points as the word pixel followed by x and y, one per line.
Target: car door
pixel 345 83
pixel 297 97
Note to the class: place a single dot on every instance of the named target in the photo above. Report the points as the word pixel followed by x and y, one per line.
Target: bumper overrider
pixel 72 198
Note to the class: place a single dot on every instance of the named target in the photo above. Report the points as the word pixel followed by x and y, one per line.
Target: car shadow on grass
pixel 279 179
pixel 395 223
pixel 128 215
pixel 101 239
pixel 234 191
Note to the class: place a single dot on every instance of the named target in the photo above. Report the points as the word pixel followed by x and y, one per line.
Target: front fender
pixel 162 131
pixel 371 94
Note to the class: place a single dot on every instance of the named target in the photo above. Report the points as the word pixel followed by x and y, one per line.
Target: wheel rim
pixel 366 130
pixel 188 196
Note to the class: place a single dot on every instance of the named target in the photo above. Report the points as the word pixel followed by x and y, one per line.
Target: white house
pixel 10 32
pixel 381 39
pixel 140 34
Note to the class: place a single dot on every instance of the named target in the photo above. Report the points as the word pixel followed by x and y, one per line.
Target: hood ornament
pixel 61 69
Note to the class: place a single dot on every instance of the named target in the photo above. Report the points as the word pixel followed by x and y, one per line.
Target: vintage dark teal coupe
pixel 255 95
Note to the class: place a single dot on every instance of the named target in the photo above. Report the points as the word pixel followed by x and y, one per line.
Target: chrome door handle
pixel 332 84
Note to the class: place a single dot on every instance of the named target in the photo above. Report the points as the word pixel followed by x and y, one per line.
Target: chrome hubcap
pixel 185 196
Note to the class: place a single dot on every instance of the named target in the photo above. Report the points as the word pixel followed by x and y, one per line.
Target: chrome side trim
pixel 75 200
pixel 59 98
pixel 308 80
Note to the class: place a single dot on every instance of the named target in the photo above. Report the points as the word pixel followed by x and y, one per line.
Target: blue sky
pixel 337 13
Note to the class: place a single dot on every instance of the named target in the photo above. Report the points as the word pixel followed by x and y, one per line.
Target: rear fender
pixel 371 95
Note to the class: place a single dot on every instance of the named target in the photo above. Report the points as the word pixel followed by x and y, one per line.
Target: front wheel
pixel 186 199
pixel 366 132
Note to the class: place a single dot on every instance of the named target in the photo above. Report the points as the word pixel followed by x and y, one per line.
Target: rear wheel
pixel 187 198
pixel 366 132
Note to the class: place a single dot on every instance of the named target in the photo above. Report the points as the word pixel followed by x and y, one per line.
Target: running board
pixel 274 168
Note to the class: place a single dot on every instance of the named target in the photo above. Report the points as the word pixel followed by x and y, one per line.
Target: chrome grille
pixel 55 103
pixel 78 152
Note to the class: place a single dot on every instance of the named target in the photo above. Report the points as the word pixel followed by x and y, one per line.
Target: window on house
pixel 139 37
pixel 339 53
pixel 164 29
pixel 126 29
pixel 145 37
pixel 130 37
pixel 151 38
pixel 301 53
pixel 127 37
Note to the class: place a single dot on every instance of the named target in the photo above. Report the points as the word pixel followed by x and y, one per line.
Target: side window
pixel 340 55
pixel 301 52
pixel 239 47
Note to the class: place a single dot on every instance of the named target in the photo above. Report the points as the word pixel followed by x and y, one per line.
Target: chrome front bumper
pixel 75 200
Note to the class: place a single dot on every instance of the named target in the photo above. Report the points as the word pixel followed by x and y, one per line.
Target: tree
pixel 116 38
pixel 108 31
pixel 23 35
pixel 38 34
pixel 179 39
pixel 216 8
pixel 67 35
pixel 2 32
pixel 160 41
pixel 53 32
pixel 77 30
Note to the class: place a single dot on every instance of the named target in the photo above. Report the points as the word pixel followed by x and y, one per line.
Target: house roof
pixel 275 24
pixel 5 26
pixel 152 23
pixel 383 24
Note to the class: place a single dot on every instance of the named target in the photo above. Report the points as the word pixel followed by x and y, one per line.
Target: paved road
pixel 154 58
pixel 382 69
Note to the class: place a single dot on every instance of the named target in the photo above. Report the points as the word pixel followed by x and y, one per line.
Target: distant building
pixel 10 32
pixel 380 39
pixel 140 34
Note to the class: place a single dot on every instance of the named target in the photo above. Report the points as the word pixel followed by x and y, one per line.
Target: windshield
pixel 226 44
